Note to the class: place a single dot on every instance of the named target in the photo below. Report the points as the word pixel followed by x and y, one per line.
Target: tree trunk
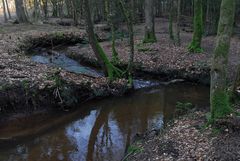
pixel 45 8
pixel 195 45
pixel 20 11
pixel 110 15
pixel 129 18
pixel 111 71
pixel 4 11
pixel 178 39
pixel 219 96
pixel 36 12
pixel 170 27
pixel 8 10
pixel 150 36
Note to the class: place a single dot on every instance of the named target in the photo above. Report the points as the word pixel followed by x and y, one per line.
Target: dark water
pixel 100 130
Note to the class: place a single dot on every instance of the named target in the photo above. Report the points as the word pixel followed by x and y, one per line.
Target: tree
pixel 4 11
pixel 195 45
pixel 109 12
pixel 110 70
pixel 129 18
pixel 219 95
pixel 170 27
pixel 178 39
pixel 150 36
pixel 20 11
pixel 8 10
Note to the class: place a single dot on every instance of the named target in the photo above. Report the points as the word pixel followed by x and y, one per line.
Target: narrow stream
pixel 99 130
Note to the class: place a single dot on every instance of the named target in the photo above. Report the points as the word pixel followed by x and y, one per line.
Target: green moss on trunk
pixel 150 38
pixel 220 104
pixel 195 45
pixel 219 96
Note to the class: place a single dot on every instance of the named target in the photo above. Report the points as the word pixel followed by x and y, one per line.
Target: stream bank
pixel 25 83
pixel 188 138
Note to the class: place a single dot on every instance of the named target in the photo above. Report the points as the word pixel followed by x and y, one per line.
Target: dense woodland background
pixel 41 10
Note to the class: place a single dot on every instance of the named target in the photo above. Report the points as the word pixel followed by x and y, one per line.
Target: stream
pixel 99 130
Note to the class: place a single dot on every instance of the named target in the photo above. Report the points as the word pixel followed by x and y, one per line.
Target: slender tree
pixel 171 14
pixel 4 11
pixel 8 10
pixel 219 95
pixel 178 39
pixel 109 12
pixel 195 45
pixel 110 70
pixel 128 14
pixel 150 36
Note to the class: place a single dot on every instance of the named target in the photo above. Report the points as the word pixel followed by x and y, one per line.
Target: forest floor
pixel 21 78
pixel 188 138
pixel 163 58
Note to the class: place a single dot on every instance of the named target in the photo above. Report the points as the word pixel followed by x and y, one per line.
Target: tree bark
pixel 219 95
pixel 178 39
pixel 111 71
pixel 129 18
pixel 195 45
pixel 20 11
pixel 150 36
pixel 4 11
pixel 8 10
pixel 170 27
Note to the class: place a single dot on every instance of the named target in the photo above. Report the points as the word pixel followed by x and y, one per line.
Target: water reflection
pixel 103 129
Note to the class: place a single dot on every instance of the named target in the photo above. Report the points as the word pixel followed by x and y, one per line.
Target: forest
pixel 119 80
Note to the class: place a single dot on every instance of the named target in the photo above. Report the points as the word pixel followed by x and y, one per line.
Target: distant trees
pixel 220 106
pixel 6 10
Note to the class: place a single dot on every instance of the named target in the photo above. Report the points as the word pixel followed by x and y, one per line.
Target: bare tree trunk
pixel 4 11
pixel 36 12
pixel 20 11
pixel 45 8
pixel 170 27
pixel 219 96
pixel 178 39
pixel 150 36
pixel 8 10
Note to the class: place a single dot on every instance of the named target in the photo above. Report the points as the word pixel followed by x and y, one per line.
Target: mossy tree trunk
pixel 129 14
pixel 110 70
pixel 219 96
pixel 150 36
pixel 110 15
pixel 236 85
pixel 195 45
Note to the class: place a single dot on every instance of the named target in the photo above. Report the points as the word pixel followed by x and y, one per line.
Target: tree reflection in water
pixel 104 129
